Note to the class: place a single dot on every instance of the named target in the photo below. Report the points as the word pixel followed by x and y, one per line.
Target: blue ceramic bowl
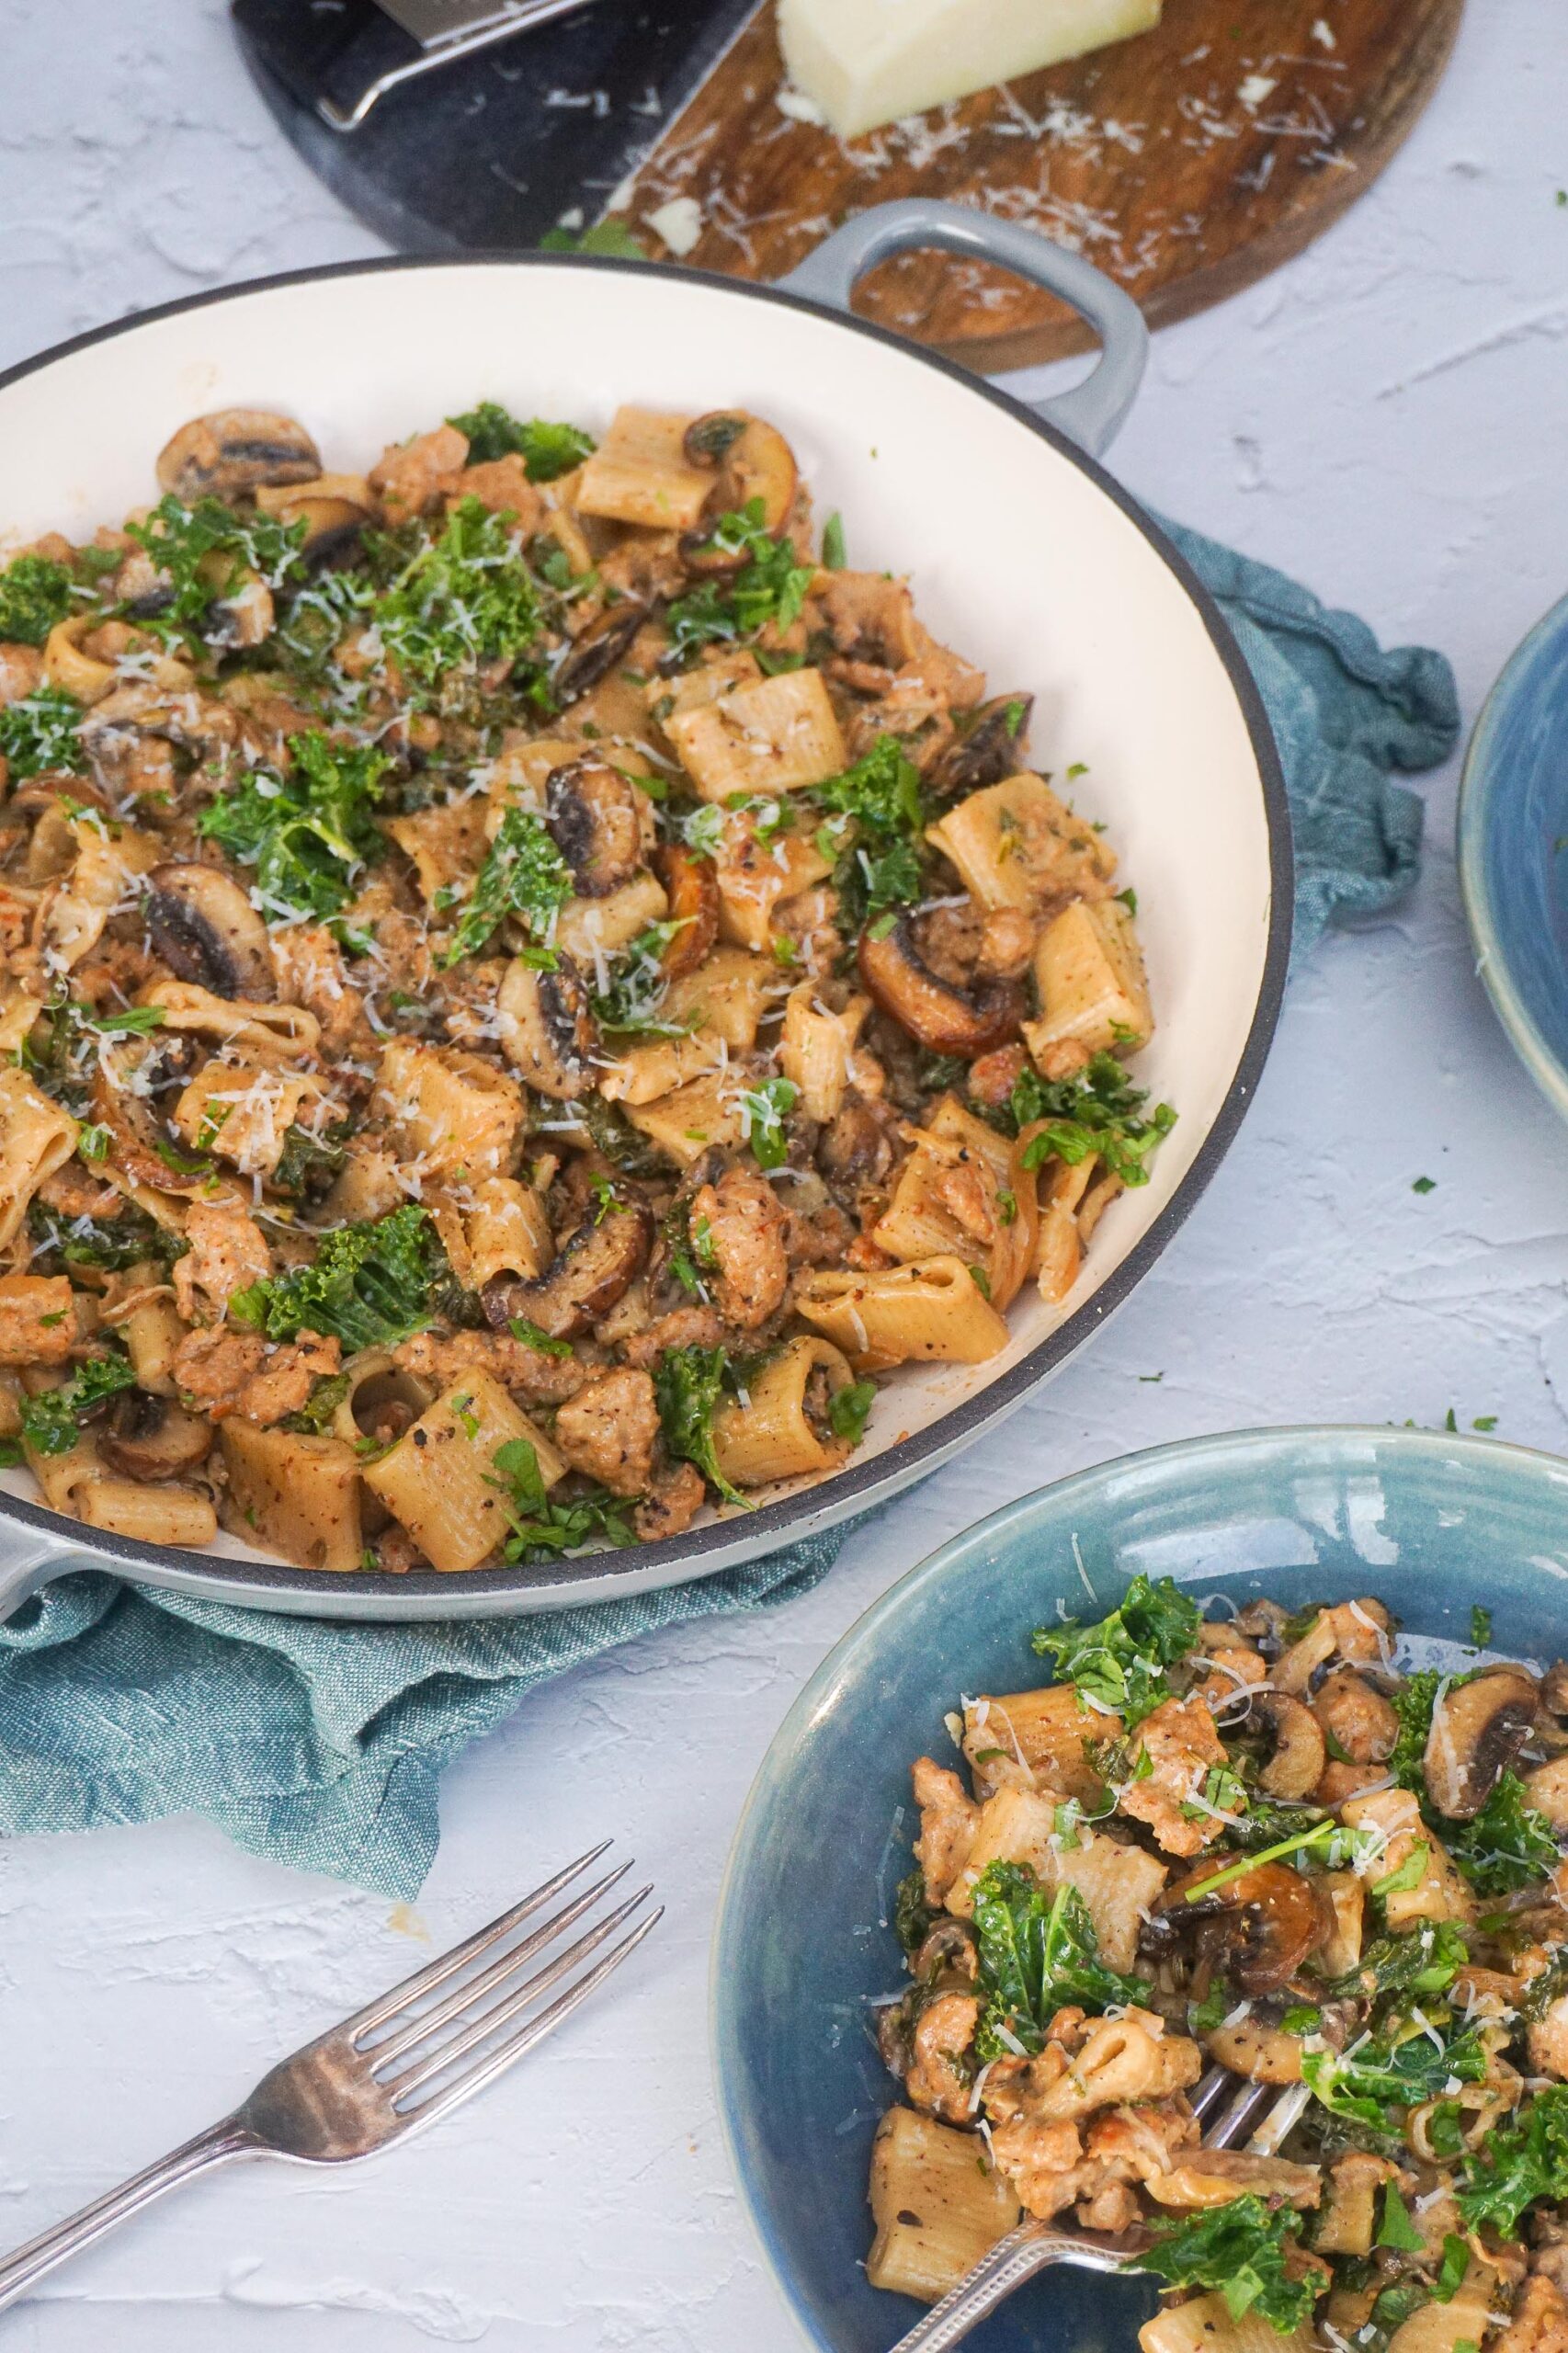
pixel 1513 825
pixel 1431 1524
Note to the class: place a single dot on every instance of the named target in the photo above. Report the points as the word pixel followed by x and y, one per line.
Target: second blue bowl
pixel 1430 1524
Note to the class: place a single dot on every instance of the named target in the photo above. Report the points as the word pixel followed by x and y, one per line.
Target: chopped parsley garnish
pixel 542 1529
pixel 770 586
pixel 465 600
pixel 523 874
pixel 35 597
pixel 40 733
pixel 688 1384
pixel 51 1421
pixel 547 450
pixel 763 1111
pixel 369 1286
pixel 1244 2250
pixel 1121 1660
pixel 305 835
pixel 834 557
pixel 1036 1950
pixel 1479 1625
pixel 1099 1110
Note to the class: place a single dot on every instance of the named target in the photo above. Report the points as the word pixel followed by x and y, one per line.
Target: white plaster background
pixel 1387 417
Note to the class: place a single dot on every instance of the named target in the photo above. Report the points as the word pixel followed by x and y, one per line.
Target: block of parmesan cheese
pixel 868 62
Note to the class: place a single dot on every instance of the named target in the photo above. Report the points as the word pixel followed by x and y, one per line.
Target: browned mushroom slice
pixel 1478 1729
pixel 1300 1751
pixel 595 655
pixel 548 1030
pixel 139 1144
pixel 691 885
pixel 597 1266
pixel 990 750
pixel 205 928
pixel 1259 1928
pixel 236 450
pixel 754 462
pixel 947 1019
pixel 594 816
pixel 153 1438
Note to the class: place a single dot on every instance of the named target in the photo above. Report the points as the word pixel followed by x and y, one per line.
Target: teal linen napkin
pixel 322 1744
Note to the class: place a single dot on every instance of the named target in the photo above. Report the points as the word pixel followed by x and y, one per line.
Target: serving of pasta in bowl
pixel 1206 1775
pixel 615 935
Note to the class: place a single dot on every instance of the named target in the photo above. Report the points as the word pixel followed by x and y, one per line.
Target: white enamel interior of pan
pixel 1015 557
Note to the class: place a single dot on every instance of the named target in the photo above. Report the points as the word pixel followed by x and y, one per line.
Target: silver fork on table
pixel 395 2065
pixel 1260 2113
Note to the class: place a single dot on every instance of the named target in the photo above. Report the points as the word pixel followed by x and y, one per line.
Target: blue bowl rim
pixel 1217 1449
pixel 1477 782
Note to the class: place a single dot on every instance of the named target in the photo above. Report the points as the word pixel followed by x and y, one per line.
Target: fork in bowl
pixel 1251 2109
pixel 393 2067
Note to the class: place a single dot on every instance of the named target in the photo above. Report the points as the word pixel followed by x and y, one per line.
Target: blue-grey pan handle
pixel 1091 414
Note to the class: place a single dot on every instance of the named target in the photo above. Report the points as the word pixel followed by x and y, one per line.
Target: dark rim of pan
pixel 774 1524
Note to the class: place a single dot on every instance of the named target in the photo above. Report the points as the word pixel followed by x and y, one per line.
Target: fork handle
pixel 218 2145
pixel 1031 2247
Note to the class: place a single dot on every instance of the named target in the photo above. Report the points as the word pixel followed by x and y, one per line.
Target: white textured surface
pixel 1384 417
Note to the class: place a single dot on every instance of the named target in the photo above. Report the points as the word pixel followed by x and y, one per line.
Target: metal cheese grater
pixel 439 30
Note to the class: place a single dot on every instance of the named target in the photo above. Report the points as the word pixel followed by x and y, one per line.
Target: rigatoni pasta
pixel 527 986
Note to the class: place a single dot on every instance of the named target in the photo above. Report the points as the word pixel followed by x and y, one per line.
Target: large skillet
pixel 1024 552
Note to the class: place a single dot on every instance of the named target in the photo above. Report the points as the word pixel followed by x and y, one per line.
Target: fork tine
pixel 425 2023
pixel 435 1973
pixel 1208 2089
pixel 491 2020
pixel 485 2070
pixel 1280 2120
pixel 1242 2109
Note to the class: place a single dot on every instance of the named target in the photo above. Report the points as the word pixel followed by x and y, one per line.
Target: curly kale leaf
pixel 51 1421
pixel 523 874
pixel 1397 2067
pixel 206 552
pixel 1247 2251
pixel 1426 1959
pixel 35 597
pixel 41 732
pixel 465 600
pixel 541 1528
pixel 129 1239
pixel 1037 1950
pixel 688 1384
pixel 1507 1845
pixel 369 1286
pixel 876 817
pixel 547 450
pixel 306 834
pixel 1517 2163
pixel 1099 1110
pixel 770 586
pixel 1121 1660
pixel 913 1913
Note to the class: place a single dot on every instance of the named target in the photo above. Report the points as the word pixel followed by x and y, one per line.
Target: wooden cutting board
pixel 1187 163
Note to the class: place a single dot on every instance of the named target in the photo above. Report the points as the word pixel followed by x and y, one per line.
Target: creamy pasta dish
pixel 1268 1844
pixel 530 984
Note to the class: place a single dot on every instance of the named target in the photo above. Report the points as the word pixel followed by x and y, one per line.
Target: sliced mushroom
pixel 153 1438
pixel 205 928
pixel 548 1029
pixel 1259 1928
pixel 1478 1729
pixel 948 1020
pixel 948 1946
pixel 1300 1755
pixel 691 885
pixel 597 1266
pixel 334 509
pixel 1215 2177
pixel 595 655
pixel 595 818
pixel 989 751
pixel 142 1146
pixel 236 450
pixel 754 461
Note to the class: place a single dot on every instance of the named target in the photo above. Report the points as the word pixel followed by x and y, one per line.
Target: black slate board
pixel 475 157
